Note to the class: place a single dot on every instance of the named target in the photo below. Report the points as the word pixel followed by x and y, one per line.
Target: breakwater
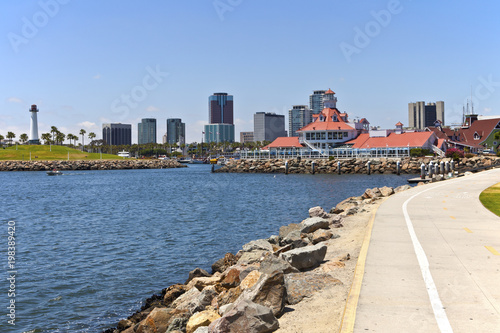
pixel 354 165
pixel 88 165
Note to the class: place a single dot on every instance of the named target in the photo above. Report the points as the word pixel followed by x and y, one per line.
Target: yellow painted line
pixel 445 208
pixel 453 217
pixel 468 230
pixel 349 316
pixel 492 250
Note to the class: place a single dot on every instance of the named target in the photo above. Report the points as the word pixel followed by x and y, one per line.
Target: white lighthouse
pixel 33 139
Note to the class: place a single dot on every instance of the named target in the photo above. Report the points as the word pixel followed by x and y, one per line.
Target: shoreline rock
pixel 408 165
pixel 88 165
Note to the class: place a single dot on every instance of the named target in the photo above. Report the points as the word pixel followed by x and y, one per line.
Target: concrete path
pixel 433 262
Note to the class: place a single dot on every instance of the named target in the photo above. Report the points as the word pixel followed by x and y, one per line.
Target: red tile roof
pixel 465 136
pixel 327 124
pixel 399 124
pixel 412 139
pixel 329 91
pixel 285 142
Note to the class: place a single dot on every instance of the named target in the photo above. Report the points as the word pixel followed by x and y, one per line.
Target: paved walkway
pixel 433 262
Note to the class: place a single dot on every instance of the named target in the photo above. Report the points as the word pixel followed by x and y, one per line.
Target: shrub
pixel 498 153
pixel 418 152
pixel 454 153
pixel 469 155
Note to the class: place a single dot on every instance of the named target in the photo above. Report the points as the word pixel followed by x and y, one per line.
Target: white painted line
pixel 437 306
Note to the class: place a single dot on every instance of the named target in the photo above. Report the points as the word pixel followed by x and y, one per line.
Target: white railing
pixel 337 153
pixel 438 151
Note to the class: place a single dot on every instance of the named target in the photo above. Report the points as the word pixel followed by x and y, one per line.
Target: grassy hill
pixel 47 153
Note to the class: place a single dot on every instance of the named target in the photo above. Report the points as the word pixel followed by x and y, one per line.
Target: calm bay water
pixel 91 245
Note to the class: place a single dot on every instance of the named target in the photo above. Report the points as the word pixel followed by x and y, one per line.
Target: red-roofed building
pixel 475 136
pixel 394 140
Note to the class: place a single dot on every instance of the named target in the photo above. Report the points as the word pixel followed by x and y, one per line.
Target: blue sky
pixel 77 59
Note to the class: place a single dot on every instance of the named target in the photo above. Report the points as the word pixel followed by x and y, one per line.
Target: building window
pixel 330 135
pixel 308 136
pixel 346 135
pixel 323 135
pixel 334 135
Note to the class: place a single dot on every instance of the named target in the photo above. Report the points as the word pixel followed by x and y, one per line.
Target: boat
pixel 54 173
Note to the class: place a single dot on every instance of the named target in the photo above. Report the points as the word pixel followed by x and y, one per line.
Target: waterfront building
pixel 268 126
pixel 330 128
pixel 176 131
pixel 246 137
pixel 219 133
pixel 33 138
pixel 117 134
pixel 316 104
pixel 421 115
pixel 146 131
pixel 298 117
pixel 220 109
pixel 475 134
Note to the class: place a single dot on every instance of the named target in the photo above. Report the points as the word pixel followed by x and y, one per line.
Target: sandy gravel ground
pixel 323 311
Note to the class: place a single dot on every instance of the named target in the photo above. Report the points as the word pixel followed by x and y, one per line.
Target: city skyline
pixel 143 60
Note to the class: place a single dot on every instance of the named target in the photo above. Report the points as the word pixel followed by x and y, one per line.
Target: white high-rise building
pixel 33 139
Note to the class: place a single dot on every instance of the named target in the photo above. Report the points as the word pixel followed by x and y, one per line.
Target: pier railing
pixel 337 153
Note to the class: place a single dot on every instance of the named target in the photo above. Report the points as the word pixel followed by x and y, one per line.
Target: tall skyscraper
pixel 176 131
pixel 220 109
pixel 298 117
pixel 316 101
pixel 220 117
pixel 146 131
pixel 268 126
pixel 117 134
pixel 33 138
pixel 421 115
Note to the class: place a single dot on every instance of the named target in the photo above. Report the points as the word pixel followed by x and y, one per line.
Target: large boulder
pixel 286 229
pixel 159 320
pixel 312 224
pixel 195 300
pixel 200 319
pixel 320 235
pixel 345 205
pixel 402 188
pixel 371 193
pixel 202 282
pixel 318 212
pixel 173 292
pixel 260 244
pixel 272 263
pixel 246 317
pixel 250 280
pixel 386 191
pixel 301 285
pixel 269 291
pixel 197 272
pixel 222 264
pixel 305 257
pixel 252 257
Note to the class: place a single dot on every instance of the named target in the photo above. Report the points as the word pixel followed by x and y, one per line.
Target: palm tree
pixel 10 136
pixel 47 138
pixel 23 137
pixel 82 133
pixel 60 137
pixel 1 138
pixel 92 136
pixel 54 131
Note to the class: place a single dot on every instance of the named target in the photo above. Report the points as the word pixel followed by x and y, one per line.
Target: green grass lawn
pixel 47 153
pixel 490 198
